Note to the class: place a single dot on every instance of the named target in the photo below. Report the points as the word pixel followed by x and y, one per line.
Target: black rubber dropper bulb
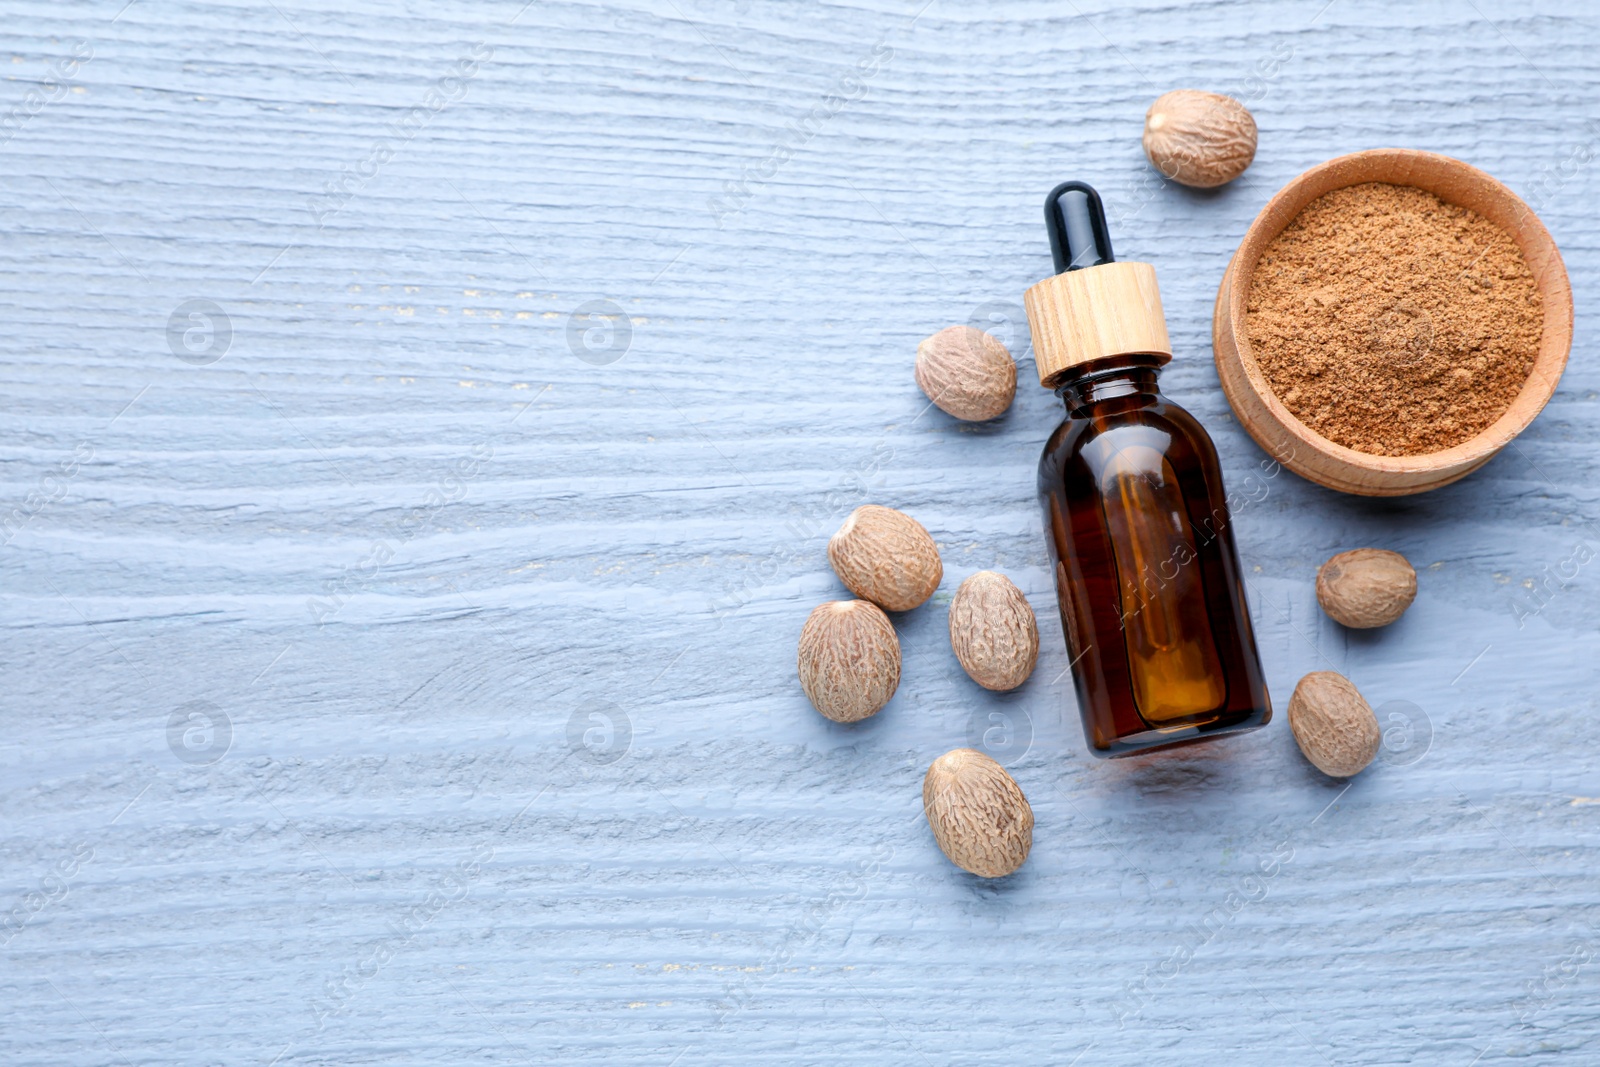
pixel 1077 224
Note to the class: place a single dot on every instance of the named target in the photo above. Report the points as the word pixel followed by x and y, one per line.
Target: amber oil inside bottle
pixel 1146 571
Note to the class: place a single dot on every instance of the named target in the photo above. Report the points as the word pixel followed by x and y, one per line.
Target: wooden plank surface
pixel 394 528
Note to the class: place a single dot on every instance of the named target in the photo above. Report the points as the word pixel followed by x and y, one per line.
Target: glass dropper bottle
pixel 1147 576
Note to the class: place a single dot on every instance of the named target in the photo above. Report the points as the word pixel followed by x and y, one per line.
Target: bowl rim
pixel 1532 239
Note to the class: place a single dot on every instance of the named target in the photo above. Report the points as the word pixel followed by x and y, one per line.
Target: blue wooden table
pixel 422 428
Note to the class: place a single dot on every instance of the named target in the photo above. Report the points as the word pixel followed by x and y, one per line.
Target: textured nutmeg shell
pixel 967 373
pixel 1366 587
pixel 977 813
pixel 993 631
pixel 1333 724
pixel 887 557
pixel 849 659
pixel 1198 138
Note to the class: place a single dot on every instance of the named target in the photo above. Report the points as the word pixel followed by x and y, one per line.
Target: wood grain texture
pixel 1089 314
pixel 498 587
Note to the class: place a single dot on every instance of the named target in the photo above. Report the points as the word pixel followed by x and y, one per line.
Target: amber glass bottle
pixel 1146 573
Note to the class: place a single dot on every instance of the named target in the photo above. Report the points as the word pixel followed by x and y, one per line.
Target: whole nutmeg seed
pixel 1333 724
pixel 887 557
pixel 993 631
pixel 977 813
pixel 1198 138
pixel 849 659
pixel 1366 587
pixel 967 373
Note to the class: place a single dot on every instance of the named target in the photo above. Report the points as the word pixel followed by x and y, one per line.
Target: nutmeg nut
pixel 977 813
pixel 1333 724
pixel 887 557
pixel 1366 587
pixel 967 373
pixel 849 659
pixel 993 631
pixel 1198 138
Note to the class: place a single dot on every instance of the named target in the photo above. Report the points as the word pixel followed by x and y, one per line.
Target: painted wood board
pixel 340 508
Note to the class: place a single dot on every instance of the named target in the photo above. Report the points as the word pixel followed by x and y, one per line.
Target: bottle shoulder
pixel 1149 423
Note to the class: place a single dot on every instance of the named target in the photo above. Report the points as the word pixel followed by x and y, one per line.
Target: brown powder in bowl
pixel 1393 323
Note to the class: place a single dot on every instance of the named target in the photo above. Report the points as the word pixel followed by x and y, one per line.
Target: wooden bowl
pixel 1300 448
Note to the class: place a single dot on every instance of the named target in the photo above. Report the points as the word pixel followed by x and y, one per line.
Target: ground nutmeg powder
pixel 1391 322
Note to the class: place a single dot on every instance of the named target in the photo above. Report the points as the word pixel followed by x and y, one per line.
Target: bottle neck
pixel 1128 380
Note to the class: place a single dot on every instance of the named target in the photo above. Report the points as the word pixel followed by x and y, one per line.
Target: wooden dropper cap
pixel 1093 307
